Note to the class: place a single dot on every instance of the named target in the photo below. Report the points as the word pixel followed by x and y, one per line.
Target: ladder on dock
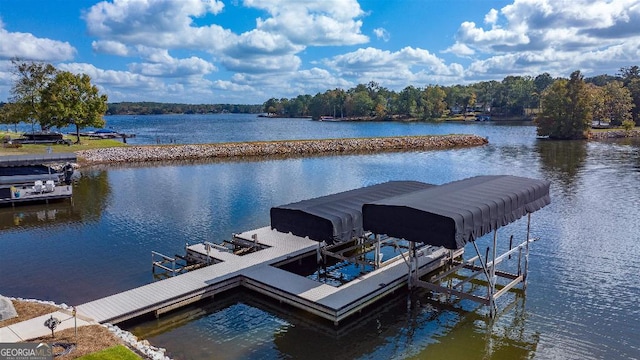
pixel 171 266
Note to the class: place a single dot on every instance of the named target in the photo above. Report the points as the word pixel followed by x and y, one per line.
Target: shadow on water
pixel 243 324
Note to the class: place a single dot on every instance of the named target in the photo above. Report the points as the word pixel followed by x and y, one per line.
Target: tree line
pixel 514 96
pixel 511 97
pixel 156 108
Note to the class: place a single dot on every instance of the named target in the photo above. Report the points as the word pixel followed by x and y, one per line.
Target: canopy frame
pixel 489 268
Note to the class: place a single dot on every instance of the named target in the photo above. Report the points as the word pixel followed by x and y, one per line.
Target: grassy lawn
pixel 85 144
pixel 92 341
pixel 117 352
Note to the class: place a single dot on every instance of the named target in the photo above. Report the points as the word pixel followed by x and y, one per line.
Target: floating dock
pixel 435 222
pixel 256 271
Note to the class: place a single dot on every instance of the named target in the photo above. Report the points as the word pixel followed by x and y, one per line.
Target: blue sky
pixel 247 51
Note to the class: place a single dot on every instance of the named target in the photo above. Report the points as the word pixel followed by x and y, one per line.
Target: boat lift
pixel 454 214
pixel 480 266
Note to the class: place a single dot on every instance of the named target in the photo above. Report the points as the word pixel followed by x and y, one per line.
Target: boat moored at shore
pixel 27 178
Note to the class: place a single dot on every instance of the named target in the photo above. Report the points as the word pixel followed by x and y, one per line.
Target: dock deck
pixel 256 271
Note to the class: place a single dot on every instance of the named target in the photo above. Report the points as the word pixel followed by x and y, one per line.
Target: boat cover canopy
pixel 337 217
pixel 37 159
pixel 455 213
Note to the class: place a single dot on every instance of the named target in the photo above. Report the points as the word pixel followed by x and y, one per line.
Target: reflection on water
pixel 583 288
pixel 38 215
pixel 245 325
pixel 562 161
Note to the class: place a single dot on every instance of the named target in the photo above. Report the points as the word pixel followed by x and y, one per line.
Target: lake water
pixel 584 283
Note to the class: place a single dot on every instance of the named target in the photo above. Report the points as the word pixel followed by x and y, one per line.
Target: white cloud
pixel 130 86
pixel 555 36
pixel 483 39
pixel 381 33
pixel 27 46
pixel 258 42
pixel 395 69
pixel 459 49
pixel 110 47
pixel 111 78
pixel 326 22
pixel 372 58
pixel 173 67
pixel 230 86
pixel 266 64
pixel 166 24
pixel 492 17
pixel 290 84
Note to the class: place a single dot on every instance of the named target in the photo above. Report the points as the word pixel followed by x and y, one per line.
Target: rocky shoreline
pixel 614 134
pixel 275 148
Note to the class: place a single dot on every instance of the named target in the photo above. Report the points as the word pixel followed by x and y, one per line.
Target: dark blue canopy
pixel 336 217
pixel 453 214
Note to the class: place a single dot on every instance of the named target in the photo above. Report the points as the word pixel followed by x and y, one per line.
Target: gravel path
pixel 283 148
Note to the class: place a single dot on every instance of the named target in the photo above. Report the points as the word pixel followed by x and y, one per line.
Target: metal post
pixel 377 255
pixel 492 283
pixel 526 255
pixel 75 323
pixel 410 278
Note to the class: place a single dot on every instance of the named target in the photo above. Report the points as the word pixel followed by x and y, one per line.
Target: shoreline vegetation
pixel 149 153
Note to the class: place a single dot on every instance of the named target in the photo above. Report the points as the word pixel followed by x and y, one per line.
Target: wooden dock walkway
pixel 255 271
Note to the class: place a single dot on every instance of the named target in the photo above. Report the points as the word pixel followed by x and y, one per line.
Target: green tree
pixel 318 106
pixel 71 99
pixel 380 107
pixel 487 92
pixel 32 78
pixel 596 94
pixel 9 114
pixel 434 101
pixel 270 106
pixel 634 89
pixel 408 102
pixel 566 109
pixel 519 92
pixel 362 104
pixel 629 73
pixel 617 103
